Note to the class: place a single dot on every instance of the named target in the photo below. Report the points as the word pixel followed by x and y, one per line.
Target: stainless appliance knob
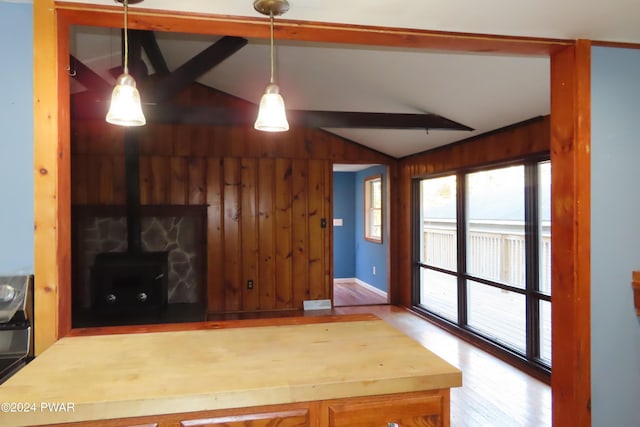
pixel 111 298
pixel 7 293
pixel 142 297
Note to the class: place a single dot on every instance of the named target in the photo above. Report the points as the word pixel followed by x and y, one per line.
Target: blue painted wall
pixel 16 143
pixel 615 236
pixel 370 254
pixel 344 237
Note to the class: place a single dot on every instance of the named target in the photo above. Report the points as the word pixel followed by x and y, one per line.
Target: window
pixel 373 209
pixel 483 251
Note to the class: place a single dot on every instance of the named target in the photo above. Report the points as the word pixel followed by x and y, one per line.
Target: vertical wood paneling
pixel 101 138
pixel 119 186
pixel 105 180
pixel 301 145
pixel 238 145
pixel 263 224
pixel 300 234
pixel 157 139
pixel 178 181
pixel 316 233
pixel 93 179
pixel 197 181
pixel 201 142
pixel 215 236
pixel 232 238
pixel 249 225
pixel 220 139
pixel 401 263
pixel 79 167
pixel 145 180
pixel 327 291
pixel 160 180
pixel 320 145
pixel 284 291
pixel 182 141
pixel 266 233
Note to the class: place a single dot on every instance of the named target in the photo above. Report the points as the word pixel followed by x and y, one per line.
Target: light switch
pixel 337 222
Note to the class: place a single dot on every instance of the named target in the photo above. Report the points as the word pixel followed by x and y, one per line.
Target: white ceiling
pixel 481 91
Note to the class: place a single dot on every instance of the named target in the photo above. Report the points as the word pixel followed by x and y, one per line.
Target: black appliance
pixel 16 324
pixel 133 283
pixel 129 283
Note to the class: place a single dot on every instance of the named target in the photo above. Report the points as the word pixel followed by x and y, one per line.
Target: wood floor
pixel 352 293
pixel 494 394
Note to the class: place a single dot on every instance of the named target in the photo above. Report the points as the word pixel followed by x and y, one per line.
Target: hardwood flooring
pixel 352 293
pixel 494 394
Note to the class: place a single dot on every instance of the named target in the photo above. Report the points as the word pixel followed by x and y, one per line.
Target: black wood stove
pixel 131 284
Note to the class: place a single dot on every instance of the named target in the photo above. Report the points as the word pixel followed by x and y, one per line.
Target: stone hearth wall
pixel 172 234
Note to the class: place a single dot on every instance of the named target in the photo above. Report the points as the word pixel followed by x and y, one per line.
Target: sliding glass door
pixel 483 255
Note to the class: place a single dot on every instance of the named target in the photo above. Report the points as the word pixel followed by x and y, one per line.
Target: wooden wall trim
pixel 570 240
pixel 46 181
pixel 571 386
pixel 163 20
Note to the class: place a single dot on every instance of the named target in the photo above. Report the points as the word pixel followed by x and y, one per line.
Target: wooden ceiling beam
pixel 349 119
pixel 150 45
pixel 168 86
pixel 87 77
pixel 83 107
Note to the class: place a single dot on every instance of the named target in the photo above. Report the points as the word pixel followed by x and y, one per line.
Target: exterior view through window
pixel 483 251
pixel 373 208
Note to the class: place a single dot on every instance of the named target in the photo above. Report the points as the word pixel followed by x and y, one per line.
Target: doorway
pixel 360 234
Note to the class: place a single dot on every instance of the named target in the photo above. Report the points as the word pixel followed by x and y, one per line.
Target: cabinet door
pixel 414 411
pixel 292 418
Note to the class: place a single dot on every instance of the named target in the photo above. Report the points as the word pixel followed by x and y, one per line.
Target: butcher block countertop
pixel 127 375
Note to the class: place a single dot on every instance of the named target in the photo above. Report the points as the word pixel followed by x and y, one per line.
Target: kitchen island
pixel 360 371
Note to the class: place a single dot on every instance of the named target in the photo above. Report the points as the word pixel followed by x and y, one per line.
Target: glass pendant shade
pixel 125 108
pixel 271 115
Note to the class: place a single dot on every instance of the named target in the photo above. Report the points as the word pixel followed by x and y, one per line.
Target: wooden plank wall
pixel 502 145
pixel 266 195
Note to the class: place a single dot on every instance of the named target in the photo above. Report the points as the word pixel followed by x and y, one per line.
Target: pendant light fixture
pixel 271 114
pixel 125 108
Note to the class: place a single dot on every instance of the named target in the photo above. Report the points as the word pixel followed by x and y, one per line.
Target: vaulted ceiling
pixel 481 91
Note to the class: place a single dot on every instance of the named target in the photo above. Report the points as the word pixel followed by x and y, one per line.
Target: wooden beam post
pixel 49 252
pixel 570 239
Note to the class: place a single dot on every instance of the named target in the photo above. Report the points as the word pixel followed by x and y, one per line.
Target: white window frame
pixel 373 231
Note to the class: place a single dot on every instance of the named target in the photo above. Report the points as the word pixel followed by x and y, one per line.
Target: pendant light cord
pixel 271 50
pixel 126 38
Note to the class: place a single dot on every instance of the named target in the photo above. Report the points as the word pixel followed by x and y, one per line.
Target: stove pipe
pixel 132 190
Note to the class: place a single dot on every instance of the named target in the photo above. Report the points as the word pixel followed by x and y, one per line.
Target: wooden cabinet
pixel 413 410
pixel 333 371
pixel 290 418
pixel 416 409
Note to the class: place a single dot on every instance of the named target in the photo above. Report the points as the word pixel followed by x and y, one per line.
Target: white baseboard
pixel 345 280
pixel 361 283
pixel 371 288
